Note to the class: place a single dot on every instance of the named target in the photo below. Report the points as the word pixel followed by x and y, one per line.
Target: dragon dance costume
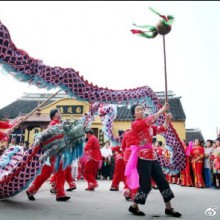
pixel 92 150
pixel 119 168
pixel 24 68
pixel 46 172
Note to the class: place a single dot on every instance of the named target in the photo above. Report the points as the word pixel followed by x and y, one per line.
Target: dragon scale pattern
pixel 24 68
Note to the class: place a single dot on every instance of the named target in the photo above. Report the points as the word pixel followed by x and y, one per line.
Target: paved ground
pixel 105 205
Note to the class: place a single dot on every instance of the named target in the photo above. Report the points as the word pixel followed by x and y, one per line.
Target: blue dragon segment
pixel 66 142
pixel 21 77
pixel 19 168
pixel 168 156
pixel 13 155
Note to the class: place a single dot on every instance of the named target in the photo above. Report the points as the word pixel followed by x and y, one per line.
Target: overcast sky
pixel 94 38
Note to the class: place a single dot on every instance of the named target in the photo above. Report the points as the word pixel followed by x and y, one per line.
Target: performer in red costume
pixel 4 136
pixel 68 178
pixel 197 159
pixel 92 150
pixel 82 162
pixel 68 171
pixel 143 164
pixel 47 170
pixel 119 168
pixel 185 175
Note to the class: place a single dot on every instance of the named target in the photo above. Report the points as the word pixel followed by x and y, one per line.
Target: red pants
pixel 153 184
pixel 68 178
pixel 118 173
pixel 40 179
pixel 168 178
pixel 82 162
pixel 90 171
pixel 81 169
pixel 60 181
pixel 45 174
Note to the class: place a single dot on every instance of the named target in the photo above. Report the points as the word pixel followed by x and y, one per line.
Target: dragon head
pixel 73 129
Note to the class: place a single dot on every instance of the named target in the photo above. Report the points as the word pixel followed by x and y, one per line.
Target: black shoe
pixel 154 187
pixel 53 191
pixel 136 211
pixel 71 189
pixel 89 189
pixel 172 212
pixel 114 189
pixel 128 198
pixel 62 199
pixel 30 197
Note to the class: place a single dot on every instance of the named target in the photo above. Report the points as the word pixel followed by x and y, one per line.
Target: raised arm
pixel 164 109
pixel 168 118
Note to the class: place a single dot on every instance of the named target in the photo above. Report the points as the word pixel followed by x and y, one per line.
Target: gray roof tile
pixel 192 134
pixel 18 107
pixel 124 114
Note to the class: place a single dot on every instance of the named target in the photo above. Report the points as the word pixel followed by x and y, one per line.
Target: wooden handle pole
pixel 17 124
pixel 165 69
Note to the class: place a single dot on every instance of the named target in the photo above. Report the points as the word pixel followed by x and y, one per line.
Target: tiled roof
pixel 44 117
pixel 22 107
pixel 176 109
pixel 124 114
pixel 192 134
pixel 17 108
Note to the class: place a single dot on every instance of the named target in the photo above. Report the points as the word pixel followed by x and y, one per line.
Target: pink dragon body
pixel 27 69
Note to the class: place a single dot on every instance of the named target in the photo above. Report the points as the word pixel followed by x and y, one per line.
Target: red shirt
pixel 116 149
pixel 54 122
pixel 118 154
pixel 125 145
pixel 159 150
pixel 4 125
pixel 92 149
pixel 142 134
pixel 3 136
pixel 198 152
pixel 125 140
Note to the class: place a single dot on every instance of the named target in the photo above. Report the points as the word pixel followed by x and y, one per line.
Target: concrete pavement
pixel 105 205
